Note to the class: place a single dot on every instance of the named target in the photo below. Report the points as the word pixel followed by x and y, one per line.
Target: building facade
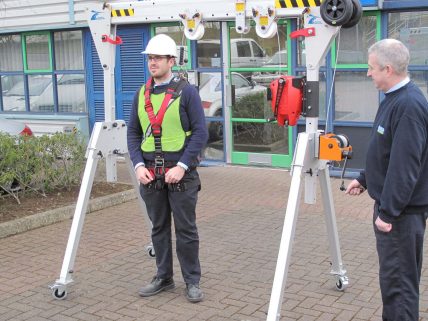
pixel 52 79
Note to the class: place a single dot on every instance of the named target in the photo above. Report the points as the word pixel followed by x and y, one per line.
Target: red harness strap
pixel 156 120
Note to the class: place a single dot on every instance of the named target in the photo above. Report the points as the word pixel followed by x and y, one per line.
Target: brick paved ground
pixel 241 211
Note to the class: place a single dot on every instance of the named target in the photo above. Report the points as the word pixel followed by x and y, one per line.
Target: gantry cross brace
pixel 108 139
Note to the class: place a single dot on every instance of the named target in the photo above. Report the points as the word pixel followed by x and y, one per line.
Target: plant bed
pixel 34 203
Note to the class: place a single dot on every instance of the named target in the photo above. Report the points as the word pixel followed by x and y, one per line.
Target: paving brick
pixel 240 218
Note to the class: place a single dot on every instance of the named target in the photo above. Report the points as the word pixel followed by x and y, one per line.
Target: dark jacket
pixel 192 118
pixel 396 173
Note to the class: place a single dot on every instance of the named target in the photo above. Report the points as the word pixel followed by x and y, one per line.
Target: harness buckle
pixel 159 162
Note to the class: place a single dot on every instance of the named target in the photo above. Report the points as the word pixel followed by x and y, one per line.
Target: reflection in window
pixel 13 93
pixel 250 99
pixel 208 48
pixel 41 93
pixel 38 55
pixel 354 42
pixel 68 50
pixel 175 32
pixel 412 29
pixel 260 138
pixel 71 93
pixel 356 97
pixel 252 51
pixel 214 150
pixel 420 78
pixel 215 134
pixel 10 53
pixel 211 94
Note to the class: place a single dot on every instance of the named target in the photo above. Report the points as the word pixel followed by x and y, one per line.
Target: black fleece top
pixel 396 173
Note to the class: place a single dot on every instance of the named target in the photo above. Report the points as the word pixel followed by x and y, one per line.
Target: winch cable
pixel 329 102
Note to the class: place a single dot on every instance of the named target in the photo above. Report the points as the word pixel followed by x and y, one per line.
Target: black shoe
pixel 194 293
pixel 157 285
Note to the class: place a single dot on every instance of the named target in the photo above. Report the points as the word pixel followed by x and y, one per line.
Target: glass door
pixel 253 63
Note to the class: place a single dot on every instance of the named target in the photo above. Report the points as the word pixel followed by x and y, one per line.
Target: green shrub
pixel 40 164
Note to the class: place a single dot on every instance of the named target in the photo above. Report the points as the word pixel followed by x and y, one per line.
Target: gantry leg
pixel 288 229
pixel 337 268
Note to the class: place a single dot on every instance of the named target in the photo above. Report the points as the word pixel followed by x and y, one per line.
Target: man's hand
pixel 354 188
pixel 174 175
pixel 383 226
pixel 143 175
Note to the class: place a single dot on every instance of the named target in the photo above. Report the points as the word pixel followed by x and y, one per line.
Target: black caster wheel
pixel 150 251
pixel 341 283
pixel 336 12
pixel 356 14
pixel 59 294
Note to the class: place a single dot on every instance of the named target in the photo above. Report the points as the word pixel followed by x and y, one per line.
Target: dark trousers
pixel 400 262
pixel 181 205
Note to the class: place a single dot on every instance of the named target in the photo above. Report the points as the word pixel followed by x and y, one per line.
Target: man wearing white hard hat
pixel 166 134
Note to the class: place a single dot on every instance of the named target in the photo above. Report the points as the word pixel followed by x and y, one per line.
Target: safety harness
pixel 172 92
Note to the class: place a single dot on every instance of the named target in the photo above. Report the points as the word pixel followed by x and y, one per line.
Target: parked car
pixel 8 81
pixel 279 59
pixel 14 99
pixel 13 127
pixel 70 88
pixel 244 52
pixel 71 95
pixel 210 90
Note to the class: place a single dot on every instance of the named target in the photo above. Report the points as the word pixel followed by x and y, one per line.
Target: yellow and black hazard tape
pixel 122 12
pixel 279 4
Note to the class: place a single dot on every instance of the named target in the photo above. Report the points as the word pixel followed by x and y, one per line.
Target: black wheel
pixel 336 12
pixel 356 14
pixel 215 128
pixel 339 285
pixel 152 252
pixel 59 295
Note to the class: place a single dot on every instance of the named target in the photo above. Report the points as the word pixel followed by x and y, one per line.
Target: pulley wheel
pixel 336 12
pixel 356 14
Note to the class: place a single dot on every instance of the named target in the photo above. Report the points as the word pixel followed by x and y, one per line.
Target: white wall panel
pixel 28 15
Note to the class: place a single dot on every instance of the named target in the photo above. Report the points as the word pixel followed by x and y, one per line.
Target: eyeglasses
pixel 157 58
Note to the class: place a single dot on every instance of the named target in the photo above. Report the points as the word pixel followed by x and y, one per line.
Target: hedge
pixel 40 164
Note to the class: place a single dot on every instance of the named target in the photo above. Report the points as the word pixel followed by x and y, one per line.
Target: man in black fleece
pixel 396 178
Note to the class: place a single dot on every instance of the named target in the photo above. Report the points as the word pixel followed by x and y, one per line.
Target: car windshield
pixel 279 58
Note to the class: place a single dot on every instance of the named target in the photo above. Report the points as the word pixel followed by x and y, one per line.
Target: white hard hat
pixel 162 45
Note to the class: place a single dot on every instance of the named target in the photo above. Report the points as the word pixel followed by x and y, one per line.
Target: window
pixel 353 43
pixel 258 52
pixel 10 53
pixel 351 54
pixel 68 50
pixel 251 51
pixel 243 48
pixel 41 89
pixel 412 29
pixel 37 53
pixel 420 78
pixel 208 48
pixel 351 105
pixel 44 73
pixel 13 92
pixel 176 33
